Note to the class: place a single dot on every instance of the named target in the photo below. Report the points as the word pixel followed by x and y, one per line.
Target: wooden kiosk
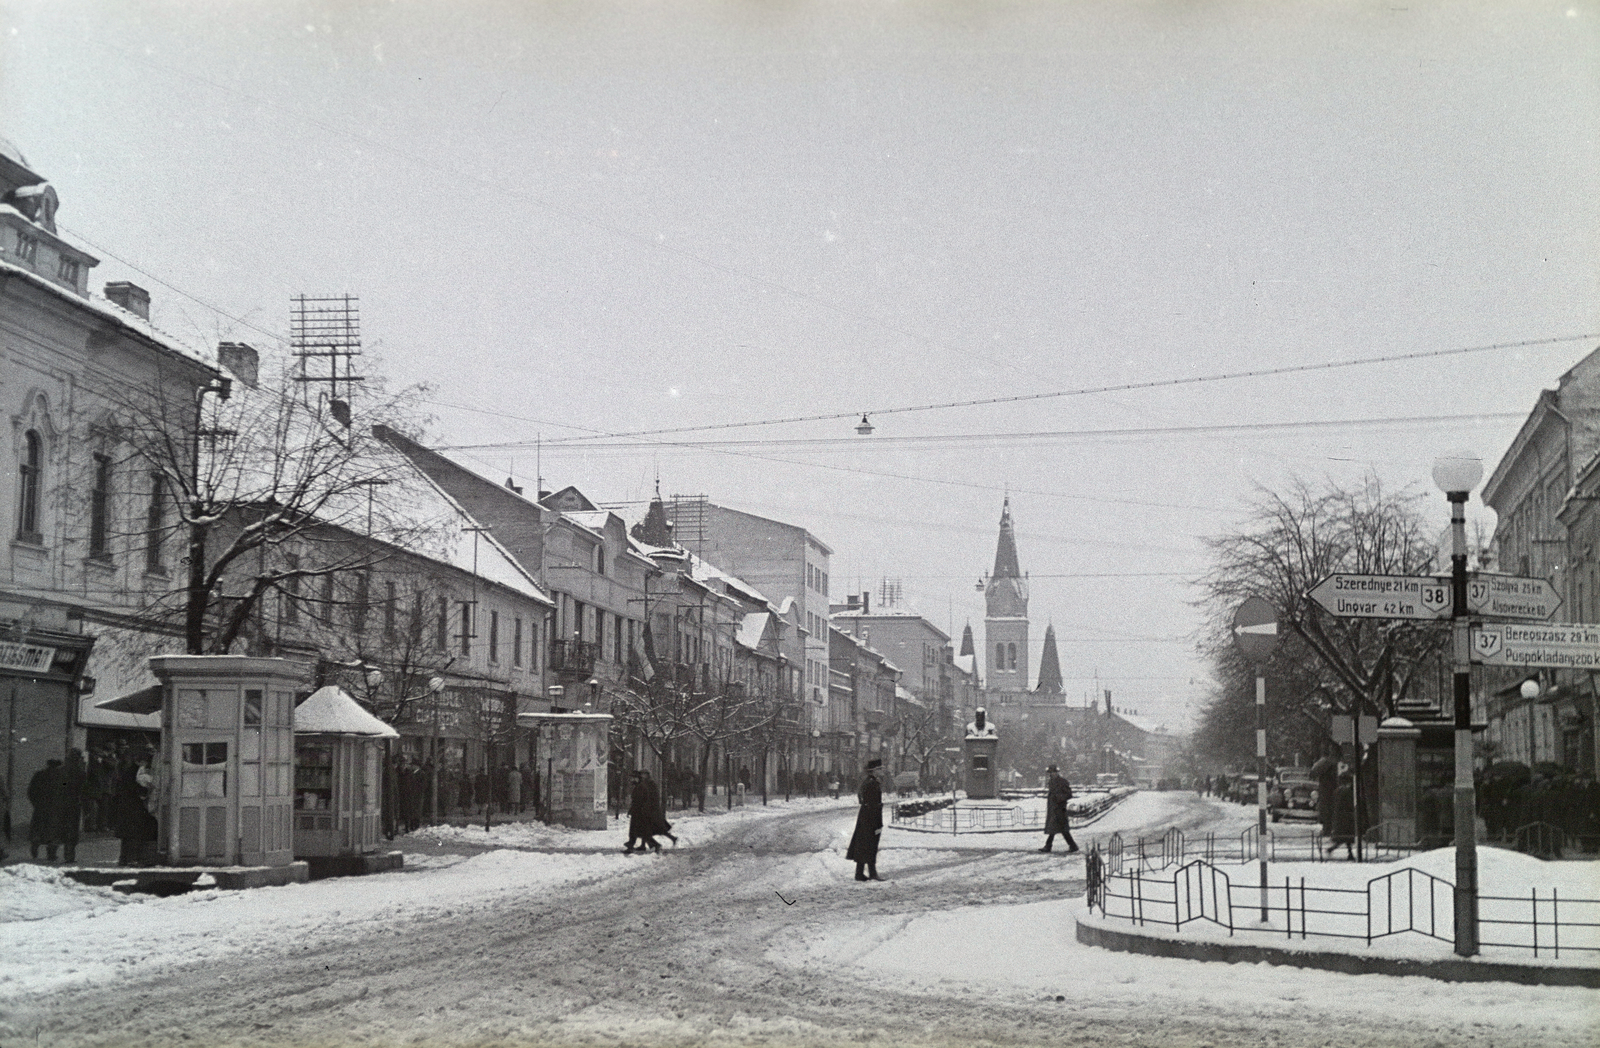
pixel 338 776
pixel 227 750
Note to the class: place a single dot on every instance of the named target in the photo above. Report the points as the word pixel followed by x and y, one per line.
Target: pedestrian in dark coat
pixel 44 793
pixel 1055 811
pixel 1344 816
pixel 646 816
pixel 69 810
pixel 863 850
pixel 1326 773
pixel 131 820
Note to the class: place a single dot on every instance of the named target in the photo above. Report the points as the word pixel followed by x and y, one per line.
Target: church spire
pixel 1005 553
pixel 1049 666
pixel 967 647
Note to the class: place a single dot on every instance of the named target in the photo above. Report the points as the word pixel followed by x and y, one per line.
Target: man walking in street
pixel 1055 811
pixel 863 849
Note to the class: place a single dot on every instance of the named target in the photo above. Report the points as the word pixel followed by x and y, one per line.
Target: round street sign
pixel 1255 629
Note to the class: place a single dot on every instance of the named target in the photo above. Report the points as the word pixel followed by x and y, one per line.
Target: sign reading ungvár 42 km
pixel 1555 644
pixel 1383 596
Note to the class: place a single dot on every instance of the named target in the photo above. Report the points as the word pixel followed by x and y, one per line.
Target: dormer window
pixel 27 249
pixel 67 271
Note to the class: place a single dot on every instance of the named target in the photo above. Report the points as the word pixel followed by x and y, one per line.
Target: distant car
pixel 1293 795
pixel 1242 790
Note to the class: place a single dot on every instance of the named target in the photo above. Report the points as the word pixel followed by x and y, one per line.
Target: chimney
pixel 132 297
pixel 866 603
pixel 238 358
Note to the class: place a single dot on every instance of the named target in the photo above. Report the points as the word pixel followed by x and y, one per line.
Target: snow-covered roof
pixel 113 312
pixel 751 629
pixel 902 695
pixel 593 519
pixel 706 574
pixel 331 711
pixel 967 664
pixel 421 517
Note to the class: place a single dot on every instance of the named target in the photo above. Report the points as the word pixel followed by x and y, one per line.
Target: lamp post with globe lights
pixel 1456 474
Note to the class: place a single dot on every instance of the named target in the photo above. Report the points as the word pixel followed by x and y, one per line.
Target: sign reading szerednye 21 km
pixel 1383 596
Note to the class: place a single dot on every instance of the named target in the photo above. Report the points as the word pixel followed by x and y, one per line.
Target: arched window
pixel 28 482
pixel 1011 656
pixel 999 656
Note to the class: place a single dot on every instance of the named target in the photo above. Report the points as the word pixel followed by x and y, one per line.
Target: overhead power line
pixel 1121 387
pixel 996 439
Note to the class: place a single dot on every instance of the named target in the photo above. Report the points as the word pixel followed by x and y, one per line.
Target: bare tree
pixel 1293 540
pixel 239 476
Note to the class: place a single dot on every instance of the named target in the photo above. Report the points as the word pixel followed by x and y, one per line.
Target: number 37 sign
pixel 1514 644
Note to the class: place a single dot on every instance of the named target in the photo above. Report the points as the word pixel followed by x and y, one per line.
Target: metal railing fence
pixel 1400 902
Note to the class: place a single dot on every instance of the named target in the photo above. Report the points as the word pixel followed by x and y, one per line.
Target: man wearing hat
pixel 869 825
pixel 1055 811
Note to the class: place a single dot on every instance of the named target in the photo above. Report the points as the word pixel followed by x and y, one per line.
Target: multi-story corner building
pixel 927 718
pixel 79 515
pixel 860 716
pixel 1542 491
pixel 582 557
pixel 784 561
pixel 714 652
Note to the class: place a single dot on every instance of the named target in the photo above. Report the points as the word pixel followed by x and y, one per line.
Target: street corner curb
pixel 1444 970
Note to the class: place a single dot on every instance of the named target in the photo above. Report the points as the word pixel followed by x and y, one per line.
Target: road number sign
pixel 1556 644
pixel 1512 597
pixel 1383 596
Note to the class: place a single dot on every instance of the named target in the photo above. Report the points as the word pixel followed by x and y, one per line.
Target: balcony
pixel 573 659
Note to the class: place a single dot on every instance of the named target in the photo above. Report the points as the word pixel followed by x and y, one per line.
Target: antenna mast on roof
pixel 688 514
pixel 327 328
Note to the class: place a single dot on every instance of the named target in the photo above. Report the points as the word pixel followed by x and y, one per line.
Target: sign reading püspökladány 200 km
pixel 1383 596
pixel 1572 645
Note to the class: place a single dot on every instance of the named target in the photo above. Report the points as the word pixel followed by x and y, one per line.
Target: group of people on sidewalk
pixel 71 796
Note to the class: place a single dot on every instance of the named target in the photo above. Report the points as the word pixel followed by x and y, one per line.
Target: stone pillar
pixel 980 770
pixel 1396 754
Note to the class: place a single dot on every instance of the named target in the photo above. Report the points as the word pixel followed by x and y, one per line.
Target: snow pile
pixel 32 893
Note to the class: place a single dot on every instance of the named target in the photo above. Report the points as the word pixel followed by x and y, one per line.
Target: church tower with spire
pixel 1006 619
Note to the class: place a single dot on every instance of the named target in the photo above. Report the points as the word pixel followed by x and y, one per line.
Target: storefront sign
pixel 27 657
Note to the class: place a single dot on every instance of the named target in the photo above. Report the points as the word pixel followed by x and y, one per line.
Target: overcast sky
pixel 585 218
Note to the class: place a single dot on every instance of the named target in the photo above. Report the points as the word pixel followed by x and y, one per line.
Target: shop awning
pixel 144 700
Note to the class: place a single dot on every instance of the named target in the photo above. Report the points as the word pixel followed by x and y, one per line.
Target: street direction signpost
pixel 1383 596
pixel 1511 597
pixel 1573 646
pixel 1255 630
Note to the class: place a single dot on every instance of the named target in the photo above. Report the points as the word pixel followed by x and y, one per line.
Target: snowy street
pixel 751 932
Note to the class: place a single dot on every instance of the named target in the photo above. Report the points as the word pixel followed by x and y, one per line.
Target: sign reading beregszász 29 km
pixel 1383 596
pixel 1553 644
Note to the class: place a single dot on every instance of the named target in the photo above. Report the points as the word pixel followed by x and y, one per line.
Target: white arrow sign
pixel 1383 596
pixel 1556 644
pixel 1512 597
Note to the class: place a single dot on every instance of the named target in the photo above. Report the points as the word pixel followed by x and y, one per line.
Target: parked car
pixel 1242 790
pixel 1293 795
